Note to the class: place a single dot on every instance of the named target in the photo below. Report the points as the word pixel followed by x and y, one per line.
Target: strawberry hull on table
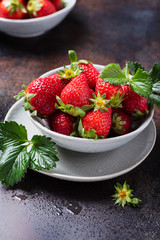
pixel 22 9
pixel 82 102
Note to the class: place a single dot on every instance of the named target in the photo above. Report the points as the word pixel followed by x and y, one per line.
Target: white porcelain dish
pixel 36 26
pixel 92 167
pixel 89 145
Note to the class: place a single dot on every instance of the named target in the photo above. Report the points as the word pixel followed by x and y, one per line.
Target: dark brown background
pixel 44 208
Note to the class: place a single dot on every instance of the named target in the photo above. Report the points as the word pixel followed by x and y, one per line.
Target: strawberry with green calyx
pixel 12 9
pixel 91 133
pixel 40 94
pixel 121 122
pixel 77 92
pixel 86 67
pixel 74 70
pixel 97 122
pixel 40 8
pixel 135 105
pixel 113 92
pixel 61 123
pixel 123 195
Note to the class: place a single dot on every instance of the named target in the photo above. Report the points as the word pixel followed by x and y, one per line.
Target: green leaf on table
pixel 42 154
pixel 141 83
pixel 18 153
pixel 154 98
pixel 12 134
pixel 134 66
pixel 155 72
pixel 14 162
pixel 113 74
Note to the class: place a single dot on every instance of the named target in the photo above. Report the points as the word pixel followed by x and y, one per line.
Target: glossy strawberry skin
pixel 46 8
pixel 5 13
pixel 46 90
pixel 121 122
pixel 77 92
pixel 134 102
pixel 91 73
pixel 57 4
pixel 109 89
pixel 100 122
pixel 62 123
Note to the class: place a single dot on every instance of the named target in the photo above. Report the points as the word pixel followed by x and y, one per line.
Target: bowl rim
pixel 111 139
pixel 69 5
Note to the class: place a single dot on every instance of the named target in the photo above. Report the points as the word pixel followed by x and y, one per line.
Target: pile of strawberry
pixel 81 101
pixel 24 9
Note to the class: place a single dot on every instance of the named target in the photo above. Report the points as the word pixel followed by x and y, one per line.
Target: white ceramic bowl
pixel 89 145
pixel 35 26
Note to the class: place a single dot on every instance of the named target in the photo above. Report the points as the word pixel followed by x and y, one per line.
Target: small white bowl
pixel 36 26
pixel 89 145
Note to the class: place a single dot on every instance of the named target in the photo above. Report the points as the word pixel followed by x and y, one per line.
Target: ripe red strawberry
pixel 57 4
pixel 91 73
pixel 113 92
pixel 134 104
pixel 12 9
pixel 77 92
pixel 121 122
pixel 109 89
pixel 62 123
pixel 98 123
pixel 40 94
pixel 40 8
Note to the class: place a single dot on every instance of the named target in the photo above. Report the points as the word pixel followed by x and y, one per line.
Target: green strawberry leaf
pixel 154 98
pixel 134 66
pixel 155 72
pixel 14 162
pixel 113 74
pixel 141 83
pixel 12 134
pixel 42 154
pixel 19 153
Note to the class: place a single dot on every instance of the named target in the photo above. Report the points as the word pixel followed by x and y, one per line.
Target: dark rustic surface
pixel 43 208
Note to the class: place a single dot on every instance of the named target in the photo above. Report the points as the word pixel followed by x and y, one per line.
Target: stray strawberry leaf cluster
pixel 123 196
pixel 19 153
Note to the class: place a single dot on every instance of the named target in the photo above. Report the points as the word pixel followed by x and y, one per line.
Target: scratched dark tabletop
pixel 44 208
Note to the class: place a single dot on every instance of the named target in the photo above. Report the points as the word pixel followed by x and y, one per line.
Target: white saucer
pixel 92 167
